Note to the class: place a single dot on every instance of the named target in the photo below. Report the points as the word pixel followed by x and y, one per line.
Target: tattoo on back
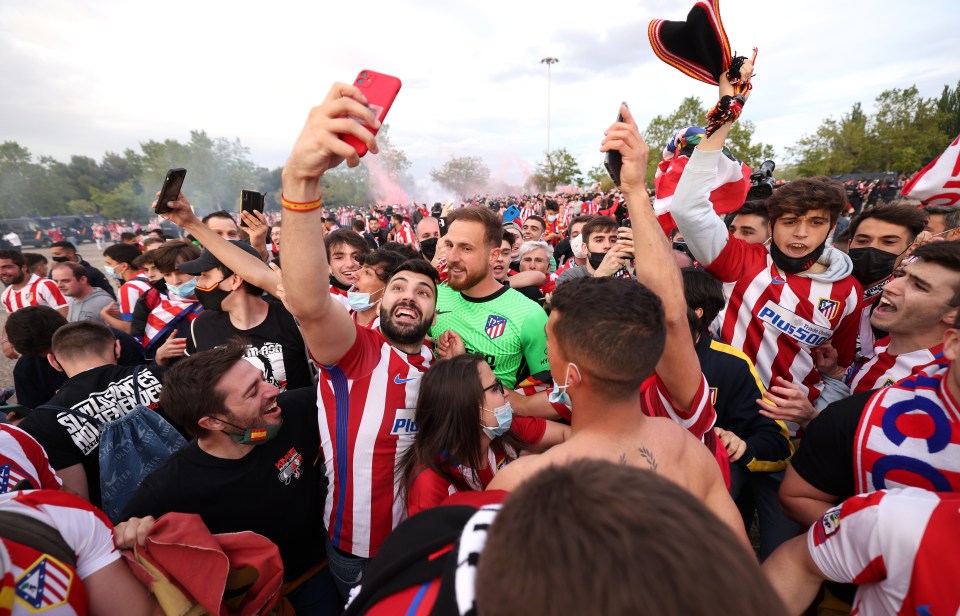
pixel 648 456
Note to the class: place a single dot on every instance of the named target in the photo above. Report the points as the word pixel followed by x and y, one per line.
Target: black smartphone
pixel 613 160
pixel 18 409
pixel 250 201
pixel 170 190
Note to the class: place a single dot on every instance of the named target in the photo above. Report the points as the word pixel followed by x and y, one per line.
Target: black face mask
pixel 596 258
pixel 429 247
pixel 60 259
pixel 795 265
pixel 212 299
pixel 159 285
pixel 871 264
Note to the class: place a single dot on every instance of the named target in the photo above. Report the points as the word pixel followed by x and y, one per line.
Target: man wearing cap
pixel 235 307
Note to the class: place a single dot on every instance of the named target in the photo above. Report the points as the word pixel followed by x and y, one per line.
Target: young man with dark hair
pixel 66 252
pixel 758 446
pixel 608 337
pixel 897 436
pixel 36 264
pixel 631 533
pixel 30 334
pixel 26 289
pixel 370 379
pixel 120 260
pixel 345 251
pixel 87 353
pixel 605 257
pixel 249 439
pixel 376 236
pixel 782 301
pixel 88 301
pixel 235 307
pixel 223 224
pixel 751 223
pixel 564 251
pixel 401 230
pixel 533 228
pixel 168 324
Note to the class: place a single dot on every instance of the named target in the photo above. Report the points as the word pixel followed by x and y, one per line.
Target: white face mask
pixel 576 246
pixel 361 301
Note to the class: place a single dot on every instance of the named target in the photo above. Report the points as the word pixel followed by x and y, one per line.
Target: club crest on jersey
pixel 827 525
pixel 9 478
pixel 828 308
pixel 495 327
pixel 404 423
pixel 45 584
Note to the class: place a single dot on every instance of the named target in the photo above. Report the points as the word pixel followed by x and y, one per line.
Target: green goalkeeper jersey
pixel 506 328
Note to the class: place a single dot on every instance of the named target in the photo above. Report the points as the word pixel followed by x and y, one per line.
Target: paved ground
pixel 90 253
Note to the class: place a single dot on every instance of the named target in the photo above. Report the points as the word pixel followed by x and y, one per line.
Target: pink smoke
pixel 385 190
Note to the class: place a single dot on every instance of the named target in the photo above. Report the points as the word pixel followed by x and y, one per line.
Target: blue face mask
pixel 504 416
pixel 109 271
pixel 361 301
pixel 186 290
pixel 559 393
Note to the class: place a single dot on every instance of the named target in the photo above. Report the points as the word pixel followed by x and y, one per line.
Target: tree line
pixel 904 132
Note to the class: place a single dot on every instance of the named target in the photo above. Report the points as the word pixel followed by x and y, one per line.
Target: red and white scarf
pixel 909 435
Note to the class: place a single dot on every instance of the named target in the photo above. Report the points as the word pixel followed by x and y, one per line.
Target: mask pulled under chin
pixel 795 265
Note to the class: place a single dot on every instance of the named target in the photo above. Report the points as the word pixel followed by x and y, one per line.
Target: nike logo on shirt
pixel 400 381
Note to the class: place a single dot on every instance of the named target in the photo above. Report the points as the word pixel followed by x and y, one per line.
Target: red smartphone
pixel 380 90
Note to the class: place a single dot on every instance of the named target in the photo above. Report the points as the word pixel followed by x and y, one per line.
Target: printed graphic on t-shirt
pixel 112 403
pixel 290 466
pixel 268 358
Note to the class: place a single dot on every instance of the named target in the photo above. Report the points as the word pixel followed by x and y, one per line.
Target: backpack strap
pixel 37 535
pixel 69 411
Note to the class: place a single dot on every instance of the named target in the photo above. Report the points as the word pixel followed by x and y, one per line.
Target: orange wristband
pixel 293 206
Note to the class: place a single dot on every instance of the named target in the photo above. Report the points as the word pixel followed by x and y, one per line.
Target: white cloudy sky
pixel 84 77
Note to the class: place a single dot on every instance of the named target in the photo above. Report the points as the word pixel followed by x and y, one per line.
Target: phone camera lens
pixel 359 82
pixel 364 73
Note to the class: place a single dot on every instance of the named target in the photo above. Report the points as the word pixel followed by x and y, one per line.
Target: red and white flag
pixel 939 182
pixel 728 192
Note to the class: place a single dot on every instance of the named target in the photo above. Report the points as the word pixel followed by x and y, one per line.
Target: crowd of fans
pixel 545 404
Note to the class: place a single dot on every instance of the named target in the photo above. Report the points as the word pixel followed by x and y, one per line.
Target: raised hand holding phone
pixel 170 190
pixel 380 90
pixel 319 146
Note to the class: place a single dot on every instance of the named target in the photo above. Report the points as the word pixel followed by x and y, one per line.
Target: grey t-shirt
pixel 573 273
pixel 88 308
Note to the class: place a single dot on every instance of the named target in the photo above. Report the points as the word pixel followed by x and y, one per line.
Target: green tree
pixel 949 108
pixel 837 147
pixel 599 175
pixel 905 131
pixel 558 168
pixel 345 187
pixel 464 175
pixel 691 112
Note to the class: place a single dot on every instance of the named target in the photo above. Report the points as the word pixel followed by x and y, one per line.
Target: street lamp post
pixel 549 61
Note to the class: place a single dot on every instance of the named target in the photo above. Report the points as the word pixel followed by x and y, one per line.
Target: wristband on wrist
pixel 294 206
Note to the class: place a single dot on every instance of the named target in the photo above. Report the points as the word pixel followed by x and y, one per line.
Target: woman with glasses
pixel 466 431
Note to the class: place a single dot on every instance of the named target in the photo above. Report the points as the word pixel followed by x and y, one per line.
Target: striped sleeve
pixel 698 419
pixel 49 294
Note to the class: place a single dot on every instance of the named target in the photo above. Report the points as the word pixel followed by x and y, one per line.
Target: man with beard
pixel 495 321
pixel 370 378
pixel 23 290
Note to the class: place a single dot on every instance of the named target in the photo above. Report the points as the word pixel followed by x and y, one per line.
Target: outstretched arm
pixel 245 265
pixel 327 327
pixel 678 368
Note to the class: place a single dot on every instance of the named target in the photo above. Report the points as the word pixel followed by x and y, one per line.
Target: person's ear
pixel 949 318
pixel 951 344
pixel 210 424
pixel 54 363
pixel 699 312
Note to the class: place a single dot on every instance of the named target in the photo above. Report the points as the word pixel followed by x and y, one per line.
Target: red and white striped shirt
pixel 37 292
pixel 777 319
pixel 884 369
pixel 367 403
pixel 130 292
pixel 166 311
pixel 35 582
pixel 526 212
pixel 405 234
pixel 899 546
pixel 23 459
pixel 909 435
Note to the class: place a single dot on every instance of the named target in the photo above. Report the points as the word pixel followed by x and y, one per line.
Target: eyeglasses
pixel 497 387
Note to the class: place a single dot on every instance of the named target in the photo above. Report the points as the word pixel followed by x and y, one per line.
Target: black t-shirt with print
pixel 105 392
pixel 275 490
pixel 276 342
